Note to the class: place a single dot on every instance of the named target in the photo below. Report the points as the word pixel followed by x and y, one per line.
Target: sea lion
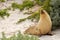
pixel 43 26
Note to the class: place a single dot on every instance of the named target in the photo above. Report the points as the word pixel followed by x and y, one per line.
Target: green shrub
pixel 55 13
pixel 19 36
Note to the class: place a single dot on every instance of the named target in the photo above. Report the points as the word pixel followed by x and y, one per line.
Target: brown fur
pixel 43 26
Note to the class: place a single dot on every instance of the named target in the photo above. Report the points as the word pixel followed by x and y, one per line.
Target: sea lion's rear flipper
pixel 32 31
pixel 50 33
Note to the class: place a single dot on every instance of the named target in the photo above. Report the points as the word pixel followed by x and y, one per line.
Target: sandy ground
pixel 9 26
pixel 56 36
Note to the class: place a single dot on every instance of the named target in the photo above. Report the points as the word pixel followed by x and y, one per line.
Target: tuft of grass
pixel 26 4
pixel 21 20
pixel 17 6
pixel 3 13
pixel 19 36
pixel 38 2
pixel 46 5
pixel 2 0
pixel 35 15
